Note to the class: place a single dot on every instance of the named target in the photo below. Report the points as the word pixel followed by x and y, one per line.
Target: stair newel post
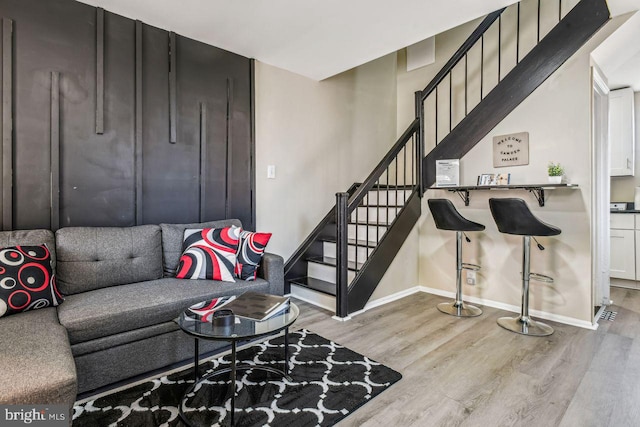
pixel 342 284
pixel 419 141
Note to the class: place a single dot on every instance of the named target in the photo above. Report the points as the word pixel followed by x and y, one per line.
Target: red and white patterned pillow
pixel 27 280
pixel 209 253
pixel 250 251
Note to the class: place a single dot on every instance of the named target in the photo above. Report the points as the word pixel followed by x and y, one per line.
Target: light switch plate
pixel 271 172
pixel 471 277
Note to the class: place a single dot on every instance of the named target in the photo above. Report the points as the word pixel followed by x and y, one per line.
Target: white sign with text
pixel 511 150
pixel 448 173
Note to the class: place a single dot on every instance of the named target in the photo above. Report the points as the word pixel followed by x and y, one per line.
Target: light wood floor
pixel 471 372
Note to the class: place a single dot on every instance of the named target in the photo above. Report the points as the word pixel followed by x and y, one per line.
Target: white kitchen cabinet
pixel 625 249
pixel 621 221
pixel 623 254
pixel 637 261
pixel 622 132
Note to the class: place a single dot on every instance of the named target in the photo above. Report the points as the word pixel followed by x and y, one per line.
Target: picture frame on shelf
pixel 503 179
pixel 487 179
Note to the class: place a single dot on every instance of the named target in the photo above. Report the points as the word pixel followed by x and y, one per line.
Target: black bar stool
pixel 513 216
pixel 447 217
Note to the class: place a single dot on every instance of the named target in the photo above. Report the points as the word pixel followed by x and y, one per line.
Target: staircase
pixel 361 236
pixel 344 258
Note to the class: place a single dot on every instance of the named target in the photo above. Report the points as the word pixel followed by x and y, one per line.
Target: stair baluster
pixel 342 220
pixel 356 277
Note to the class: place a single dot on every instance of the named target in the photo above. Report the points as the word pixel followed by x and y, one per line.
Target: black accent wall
pixel 107 121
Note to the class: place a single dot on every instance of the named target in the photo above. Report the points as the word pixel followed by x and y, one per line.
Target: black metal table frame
pixel 233 369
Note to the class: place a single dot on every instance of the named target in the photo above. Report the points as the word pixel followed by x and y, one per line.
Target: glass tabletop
pixel 199 323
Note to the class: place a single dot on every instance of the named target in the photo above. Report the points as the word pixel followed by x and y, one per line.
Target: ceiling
pixel 314 38
pixel 619 55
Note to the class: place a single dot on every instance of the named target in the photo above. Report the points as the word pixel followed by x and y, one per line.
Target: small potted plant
pixel 556 172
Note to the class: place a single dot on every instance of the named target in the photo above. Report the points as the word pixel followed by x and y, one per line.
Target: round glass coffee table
pixel 202 324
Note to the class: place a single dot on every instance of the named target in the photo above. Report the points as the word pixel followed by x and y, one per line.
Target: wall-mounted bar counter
pixel 537 189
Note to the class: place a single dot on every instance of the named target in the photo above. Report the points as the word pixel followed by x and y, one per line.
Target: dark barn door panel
pixel 97 186
pixel 95 171
pixel 35 58
pixel 167 195
pixel 240 204
pixel 6 122
pixel 117 123
pixel 201 79
pixel 118 138
pixel 222 81
pixel 180 185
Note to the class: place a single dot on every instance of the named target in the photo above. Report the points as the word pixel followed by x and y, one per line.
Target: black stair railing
pixel 397 177
pixel 520 48
pixel 404 172
pixel 442 92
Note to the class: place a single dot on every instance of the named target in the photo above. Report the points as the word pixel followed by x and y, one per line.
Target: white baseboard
pixel 386 300
pixel 515 309
pixel 328 303
pixel 439 292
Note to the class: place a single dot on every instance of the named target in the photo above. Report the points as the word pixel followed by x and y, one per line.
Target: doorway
pixel 600 189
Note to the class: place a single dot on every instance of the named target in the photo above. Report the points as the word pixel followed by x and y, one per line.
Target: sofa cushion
pixel 173 236
pixel 130 360
pixel 105 343
pixel 97 257
pixel 210 253
pixel 27 281
pixel 109 311
pixel 36 360
pixel 250 251
pixel 30 237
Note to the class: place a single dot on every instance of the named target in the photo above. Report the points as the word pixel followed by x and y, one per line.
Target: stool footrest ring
pixel 472 267
pixel 541 278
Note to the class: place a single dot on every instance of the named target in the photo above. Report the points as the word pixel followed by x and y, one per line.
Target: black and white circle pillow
pixel 27 281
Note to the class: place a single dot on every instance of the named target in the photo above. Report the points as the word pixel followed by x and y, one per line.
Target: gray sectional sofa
pixel 117 318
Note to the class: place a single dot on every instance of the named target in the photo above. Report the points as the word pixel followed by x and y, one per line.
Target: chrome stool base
pixel 459 309
pixel 525 326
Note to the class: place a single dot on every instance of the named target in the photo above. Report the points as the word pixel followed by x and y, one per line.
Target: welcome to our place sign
pixel 511 150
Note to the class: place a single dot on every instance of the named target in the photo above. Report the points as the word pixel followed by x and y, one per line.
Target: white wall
pixel 557 117
pixel 322 137
pixel 410 81
pixel 404 269
pixel 623 187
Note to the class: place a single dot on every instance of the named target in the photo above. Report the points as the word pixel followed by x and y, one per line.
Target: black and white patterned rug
pixel 329 382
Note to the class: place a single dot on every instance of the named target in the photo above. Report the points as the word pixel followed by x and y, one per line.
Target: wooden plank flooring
pixel 471 372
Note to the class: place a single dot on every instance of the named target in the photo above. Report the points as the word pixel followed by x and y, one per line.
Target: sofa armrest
pixel 271 269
